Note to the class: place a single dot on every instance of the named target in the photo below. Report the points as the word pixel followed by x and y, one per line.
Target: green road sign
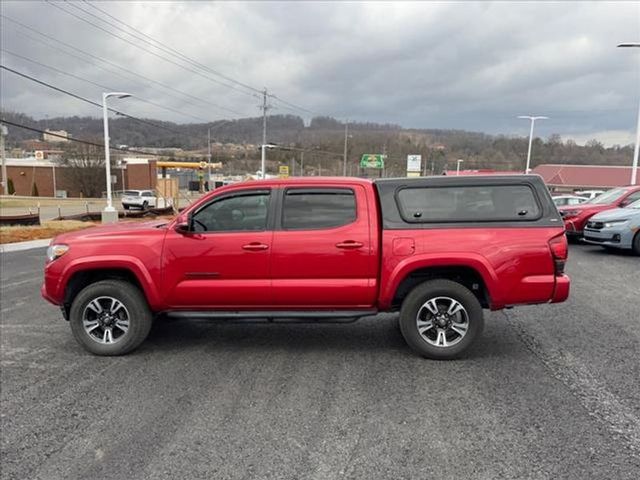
pixel 372 160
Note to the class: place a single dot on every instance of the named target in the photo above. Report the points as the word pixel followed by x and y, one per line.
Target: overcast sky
pixel 464 65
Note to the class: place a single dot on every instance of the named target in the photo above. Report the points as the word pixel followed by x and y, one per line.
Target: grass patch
pixel 49 229
pixel 33 202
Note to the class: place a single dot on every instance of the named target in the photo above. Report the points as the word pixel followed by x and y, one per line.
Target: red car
pixel 438 250
pixel 575 216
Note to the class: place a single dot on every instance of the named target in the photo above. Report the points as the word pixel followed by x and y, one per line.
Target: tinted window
pixel 314 209
pixel 147 194
pixel 632 198
pixel 132 193
pixel 233 214
pixel 472 203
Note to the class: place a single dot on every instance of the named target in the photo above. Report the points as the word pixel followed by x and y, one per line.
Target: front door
pixel 322 253
pixel 224 261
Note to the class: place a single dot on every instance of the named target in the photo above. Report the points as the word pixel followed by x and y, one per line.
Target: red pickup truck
pixel 436 249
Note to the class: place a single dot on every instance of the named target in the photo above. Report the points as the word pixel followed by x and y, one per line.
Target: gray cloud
pixel 458 65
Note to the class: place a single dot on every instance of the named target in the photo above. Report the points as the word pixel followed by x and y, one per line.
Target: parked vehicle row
pixel 607 220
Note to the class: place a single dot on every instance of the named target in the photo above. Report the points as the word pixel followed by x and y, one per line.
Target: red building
pixel 578 177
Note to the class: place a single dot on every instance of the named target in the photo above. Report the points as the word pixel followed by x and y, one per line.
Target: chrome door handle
pixel 255 246
pixel 349 245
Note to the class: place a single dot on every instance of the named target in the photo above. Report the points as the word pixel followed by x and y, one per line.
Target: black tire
pixel 138 314
pixel 126 207
pixel 145 205
pixel 636 244
pixel 414 305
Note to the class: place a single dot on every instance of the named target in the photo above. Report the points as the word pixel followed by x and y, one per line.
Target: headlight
pixel 56 251
pixel 570 213
pixel 615 223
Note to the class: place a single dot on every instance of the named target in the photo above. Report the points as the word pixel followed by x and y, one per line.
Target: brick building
pixel 49 177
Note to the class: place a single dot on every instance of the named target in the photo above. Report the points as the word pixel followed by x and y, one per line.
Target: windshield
pixel 131 193
pixel 608 197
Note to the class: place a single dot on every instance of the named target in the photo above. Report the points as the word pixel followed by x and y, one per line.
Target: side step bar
pixel 275 316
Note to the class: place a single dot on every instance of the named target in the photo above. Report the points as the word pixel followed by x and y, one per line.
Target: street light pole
pixel 346 136
pixel 109 214
pixel 636 150
pixel 458 166
pixel 533 121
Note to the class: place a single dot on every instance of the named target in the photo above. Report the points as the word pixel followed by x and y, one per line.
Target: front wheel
pixel 440 319
pixel 145 205
pixel 110 317
pixel 636 244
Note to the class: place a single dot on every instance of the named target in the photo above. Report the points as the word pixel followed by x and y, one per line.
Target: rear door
pixel 322 253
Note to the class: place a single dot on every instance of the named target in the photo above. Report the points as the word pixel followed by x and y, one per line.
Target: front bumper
pixel 609 237
pixel 571 229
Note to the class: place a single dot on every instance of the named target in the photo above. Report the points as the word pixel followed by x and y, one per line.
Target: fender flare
pixel 110 262
pixel 473 261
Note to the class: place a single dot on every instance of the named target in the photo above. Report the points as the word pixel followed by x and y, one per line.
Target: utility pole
pixel 209 154
pixel 5 180
pixel 302 164
pixel 346 136
pixel 264 108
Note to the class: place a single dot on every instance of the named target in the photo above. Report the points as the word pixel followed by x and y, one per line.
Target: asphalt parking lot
pixel 550 391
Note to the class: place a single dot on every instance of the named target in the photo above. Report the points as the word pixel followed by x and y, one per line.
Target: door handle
pixel 255 246
pixel 349 245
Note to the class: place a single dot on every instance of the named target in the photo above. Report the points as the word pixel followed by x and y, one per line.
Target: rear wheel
pixel 636 243
pixel 126 207
pixel 110 317
pixel 440 319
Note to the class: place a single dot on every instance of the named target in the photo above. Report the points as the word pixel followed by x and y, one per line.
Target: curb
pixel 20 246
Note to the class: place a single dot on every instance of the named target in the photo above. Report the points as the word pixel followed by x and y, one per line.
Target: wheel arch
pixel 462 273
pixel 81 275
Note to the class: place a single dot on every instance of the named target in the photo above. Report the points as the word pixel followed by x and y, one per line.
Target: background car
pixel 139 199
pixel 563 200
pixel 619 228
pixel 589 194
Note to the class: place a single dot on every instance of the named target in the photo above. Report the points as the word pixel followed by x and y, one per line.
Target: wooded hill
pixel 441 148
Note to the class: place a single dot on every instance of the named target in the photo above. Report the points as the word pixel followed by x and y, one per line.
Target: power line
pixel 146 49
pixel 86 100
pixel 108 62
pixel 62 72
pixel 175 52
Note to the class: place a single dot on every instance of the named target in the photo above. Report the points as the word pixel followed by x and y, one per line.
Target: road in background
pixel 50 209
pixel 549 391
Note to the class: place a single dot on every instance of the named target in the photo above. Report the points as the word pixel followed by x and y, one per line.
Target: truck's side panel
pixel 515 265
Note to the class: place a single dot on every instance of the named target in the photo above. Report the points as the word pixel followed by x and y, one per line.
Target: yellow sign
pixel 413 174
pixel 283 171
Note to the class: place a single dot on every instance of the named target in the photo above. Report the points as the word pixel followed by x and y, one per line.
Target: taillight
pixel 559 250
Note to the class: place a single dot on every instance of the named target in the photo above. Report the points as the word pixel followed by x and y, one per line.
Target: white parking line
pixel 594 396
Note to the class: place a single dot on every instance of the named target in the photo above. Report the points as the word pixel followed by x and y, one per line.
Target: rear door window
pixel 313 209
pixel 468 204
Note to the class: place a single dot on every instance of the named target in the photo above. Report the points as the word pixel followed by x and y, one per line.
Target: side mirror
pixel 183 224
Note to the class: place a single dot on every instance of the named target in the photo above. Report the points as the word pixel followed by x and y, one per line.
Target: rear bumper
pixel 561 290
